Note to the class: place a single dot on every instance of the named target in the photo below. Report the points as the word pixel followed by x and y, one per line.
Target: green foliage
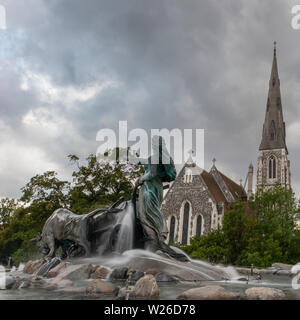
pixel 46 187
pixel 7 208
pixel 211 247
pixel 259 232
pixel 99 183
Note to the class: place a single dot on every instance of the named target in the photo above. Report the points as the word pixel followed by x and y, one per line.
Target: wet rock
pixel 32 266
pixel 271 270
pixel 37 282
pixel 46 267
pixel 208 293
pixel 61 283
pixel 119 274
pixel 126 293
pixel 263 293
pixel 283 272
pixel 154 272
pixel 146 287
pixel 56 270
pixel 76 272
pixel 164 277
pixel 137 275
pixel 100 286
pixel 282 266
pixel 243 270
pixel 241 279
pixel 22 284
pixel 100 273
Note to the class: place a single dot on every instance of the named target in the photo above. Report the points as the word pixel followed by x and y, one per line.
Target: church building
pixel 197 200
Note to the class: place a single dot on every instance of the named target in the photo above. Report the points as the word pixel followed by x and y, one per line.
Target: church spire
pixel 273 136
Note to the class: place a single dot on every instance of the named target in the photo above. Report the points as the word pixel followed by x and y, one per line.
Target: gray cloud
pixel 74 67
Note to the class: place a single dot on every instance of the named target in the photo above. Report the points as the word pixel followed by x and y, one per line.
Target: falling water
pixel 126 233
pixel 21 267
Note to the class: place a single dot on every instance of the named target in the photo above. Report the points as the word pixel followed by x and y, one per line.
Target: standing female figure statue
pixel 159 168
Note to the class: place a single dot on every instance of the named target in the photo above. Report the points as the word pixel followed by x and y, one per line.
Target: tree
pixel 237 229
pixel 7 208
pixel 98 182
pixel 46 187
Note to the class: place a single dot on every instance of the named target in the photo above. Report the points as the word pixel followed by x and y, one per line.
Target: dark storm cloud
pixel 173 64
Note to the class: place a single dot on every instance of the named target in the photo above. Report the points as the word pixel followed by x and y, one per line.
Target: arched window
pixel 199 226
pixel 272 168
pixel 172 230
pixel 185 227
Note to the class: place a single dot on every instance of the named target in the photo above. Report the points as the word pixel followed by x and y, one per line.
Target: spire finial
pixel 275 48
pixel 214 161
pixel 190 159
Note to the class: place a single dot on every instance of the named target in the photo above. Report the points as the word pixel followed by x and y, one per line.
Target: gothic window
pixel 199 226
pixel 273 82
pixel 272 168
pixel 172 230
pixel 188 177
pixel 185 227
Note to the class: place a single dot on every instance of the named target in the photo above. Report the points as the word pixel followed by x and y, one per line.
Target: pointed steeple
pixel 273 136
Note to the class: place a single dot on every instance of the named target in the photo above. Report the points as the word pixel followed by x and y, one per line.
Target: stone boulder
pixel 126 293
pixel 146 287
pixel 33 266
pixel 100 273
pixel 283 273
pixel 61 283
pixel 56 270
pixel 137 275
pixel 119 274
pixel 76 272
pixel 263 293
pixel 100 286
pixel 282 266
pixel 164 277
pixel 21 283
pixel 38 282
pixel 153 271
pixel 208 293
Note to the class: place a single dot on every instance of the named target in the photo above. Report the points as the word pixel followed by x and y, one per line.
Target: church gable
pixel 188 205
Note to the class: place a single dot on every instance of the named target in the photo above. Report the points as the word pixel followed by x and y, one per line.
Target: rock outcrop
pixel 263 293
pixel 208 293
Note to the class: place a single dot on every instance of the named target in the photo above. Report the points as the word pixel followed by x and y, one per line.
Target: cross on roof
pixel 214 161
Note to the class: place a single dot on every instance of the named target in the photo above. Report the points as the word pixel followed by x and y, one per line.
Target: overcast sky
pixel 70 67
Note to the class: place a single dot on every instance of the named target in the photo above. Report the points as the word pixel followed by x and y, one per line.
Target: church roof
pixel 213 186
pixel 235 189
pixel 223 191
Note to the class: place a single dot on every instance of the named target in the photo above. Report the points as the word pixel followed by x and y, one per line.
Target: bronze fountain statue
pixel 100 232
